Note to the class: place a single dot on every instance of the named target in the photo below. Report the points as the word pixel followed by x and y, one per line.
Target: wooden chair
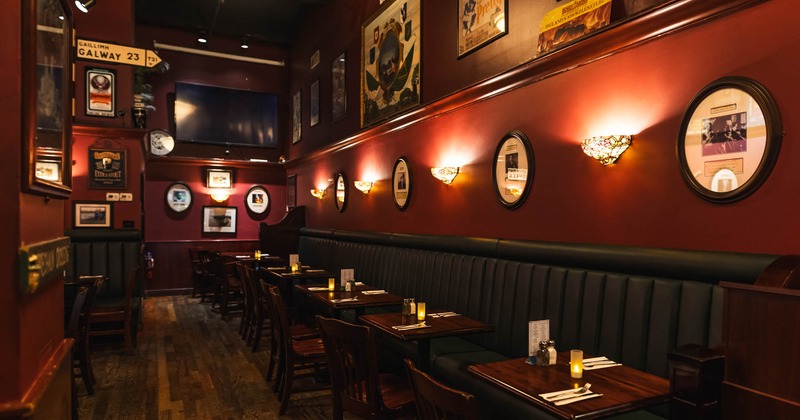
pixel 228 292
pixel 201 280
pixel 117 318
pixel 78 329
pixel 298 357
pixel 248 314
pixel 436 401
pixel 358 387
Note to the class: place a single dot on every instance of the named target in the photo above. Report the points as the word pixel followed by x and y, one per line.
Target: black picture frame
pixel 291 191
pixel 339 87
pixel 108 168
pixel 341 191
pixel 258 201
pixel 219 178
pixel 513 169
pixel 101 92
pixel 220 219
pixel 729 140
pixel 476 30
pixel 402 183
pixel 178 197
pixel 92 214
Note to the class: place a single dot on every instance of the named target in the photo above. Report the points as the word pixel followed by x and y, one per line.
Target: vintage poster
pixel 100 88
pixel 479 22
pixel 107 168
pixel 572 21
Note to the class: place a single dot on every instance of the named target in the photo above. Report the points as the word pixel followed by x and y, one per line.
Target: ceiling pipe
pixel 159 46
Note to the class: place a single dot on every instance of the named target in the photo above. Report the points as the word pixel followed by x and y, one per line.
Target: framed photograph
pixel 401 183
pixel 297 120
pixel 88 214
pixel 101 92
pixel 219 219
pixel 257 200
pixel 391 47
pixel 219 178
pixel 178 197
pixel 48 170
pixel 314 110
pixel 479 23
pixel 340 183
pixel 107 168
pixel 513 169
pixel 339 94
pixel 729 139
pixel 291 191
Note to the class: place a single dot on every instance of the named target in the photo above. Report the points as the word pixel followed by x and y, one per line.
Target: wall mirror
pixel 513 169
pixel 46 97
pixel 340 183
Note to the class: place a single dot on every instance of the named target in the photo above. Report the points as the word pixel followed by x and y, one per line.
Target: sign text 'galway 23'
pixel 103 51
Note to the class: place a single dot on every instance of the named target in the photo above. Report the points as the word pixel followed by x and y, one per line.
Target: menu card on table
pixel 348 274
pixel 537 331
pixel 293 259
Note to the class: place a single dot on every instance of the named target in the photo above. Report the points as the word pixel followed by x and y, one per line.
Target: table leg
pixel 424 351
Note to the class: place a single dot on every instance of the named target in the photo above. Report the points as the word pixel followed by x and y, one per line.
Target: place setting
pixel 570 396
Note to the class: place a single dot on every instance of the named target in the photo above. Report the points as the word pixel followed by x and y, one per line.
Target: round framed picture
pixel 257 200
pixel 513 169
pixel 729 139
pixel 179 197
pixel 401 183
pixel 340 183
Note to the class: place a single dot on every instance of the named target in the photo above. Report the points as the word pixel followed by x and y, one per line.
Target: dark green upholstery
pixel 631 304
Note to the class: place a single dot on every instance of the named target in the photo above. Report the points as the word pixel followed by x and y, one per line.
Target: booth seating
pixel 631 304
pixel 115 254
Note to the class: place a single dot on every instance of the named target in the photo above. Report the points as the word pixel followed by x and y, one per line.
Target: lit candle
pixel 331 283
pixel 295 267
pixel 420 311
pixel 258 254
pixel 576 363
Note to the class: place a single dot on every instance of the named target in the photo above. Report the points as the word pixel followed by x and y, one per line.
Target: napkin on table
pixel 443 314
pixel 317 289
pixel 411 327
pixel 343 300
pixel 374 292
pixel 601 362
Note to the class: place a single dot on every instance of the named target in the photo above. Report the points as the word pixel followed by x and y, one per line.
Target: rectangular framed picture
pixel 219 219
pixel 89 214
pixel 107 168
pixel 391 50
pixel 291 191
pixel 101 92
pixel 219 178
pixel 339 94
pixel 296 117
pixel 314 103
pixel 479 23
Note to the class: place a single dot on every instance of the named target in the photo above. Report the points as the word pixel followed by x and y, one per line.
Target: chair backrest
pixel 436 401
pixel 75 315
pixel 353 365
pixel 248 290
pixel 82 330
pixel 280 320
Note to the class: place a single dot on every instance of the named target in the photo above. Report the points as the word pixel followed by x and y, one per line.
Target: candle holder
pixel 420 311
pixel 576 364
pixel 258 254
pixel 331 283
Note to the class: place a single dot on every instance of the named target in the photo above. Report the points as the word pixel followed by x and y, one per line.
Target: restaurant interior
pixel 408 208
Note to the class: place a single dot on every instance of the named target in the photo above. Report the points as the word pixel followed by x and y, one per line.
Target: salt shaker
pixel 542 355
pixel 551 349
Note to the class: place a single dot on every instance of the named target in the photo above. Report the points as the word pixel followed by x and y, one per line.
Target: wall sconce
pixel 445 174
pixel 220 195
pixel 318 193
pixel 85 5
pixel 363 186
pixel 606 149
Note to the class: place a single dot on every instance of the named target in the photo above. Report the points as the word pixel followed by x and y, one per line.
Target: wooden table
pixel 624 388
pixel 249 257
pixel 439 327
pixel 328 299
pixel 284 278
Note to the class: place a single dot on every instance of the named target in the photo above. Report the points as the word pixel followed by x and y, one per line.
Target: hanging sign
pixel 113 53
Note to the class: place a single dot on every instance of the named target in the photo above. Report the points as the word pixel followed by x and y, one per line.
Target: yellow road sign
pixel 103 51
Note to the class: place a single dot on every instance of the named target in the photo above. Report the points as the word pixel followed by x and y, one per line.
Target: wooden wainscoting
pixel 50 395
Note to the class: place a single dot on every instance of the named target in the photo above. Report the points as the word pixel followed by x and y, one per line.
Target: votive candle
pixel 258 254
pixel 576 364
pixel 331 283
pixel 420 311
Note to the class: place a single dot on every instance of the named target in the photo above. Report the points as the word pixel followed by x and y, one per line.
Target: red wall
pixel 641 200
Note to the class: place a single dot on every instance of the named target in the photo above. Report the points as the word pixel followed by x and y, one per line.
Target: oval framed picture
pixel 512 174
pixel 257 200
pixel 729 139
pixel 401 183
pixel 178 197
pixel 340 185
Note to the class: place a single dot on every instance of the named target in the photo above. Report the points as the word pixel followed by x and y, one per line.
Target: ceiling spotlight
pixel 202 38
pixel 85 5
pixel 244 43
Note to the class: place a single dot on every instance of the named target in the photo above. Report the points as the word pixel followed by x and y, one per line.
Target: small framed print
pixel 340 183
pixel 297 121
pixel 179 197
pixel 291 191
pixel 513 169
pixel 101 93
pixel 401 183
pixel 88 214
pixel 48 170
pixel 257 200
pixel 479 23
pixel 314 110
pixel 217 219
pixel 219 178
pixel 339 94
pixel 729 139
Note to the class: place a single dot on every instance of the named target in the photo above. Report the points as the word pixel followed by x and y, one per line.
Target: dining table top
pixel 434 326
pixel 623 388
pixel 340 299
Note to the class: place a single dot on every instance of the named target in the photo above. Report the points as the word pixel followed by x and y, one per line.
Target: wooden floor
pixel 188 363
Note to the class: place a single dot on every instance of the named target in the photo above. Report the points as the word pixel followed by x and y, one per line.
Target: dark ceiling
pixel 260 20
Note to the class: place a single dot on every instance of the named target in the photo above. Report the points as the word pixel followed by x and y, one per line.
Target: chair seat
pixel 396 393
pixel 301 331
pixel 310 348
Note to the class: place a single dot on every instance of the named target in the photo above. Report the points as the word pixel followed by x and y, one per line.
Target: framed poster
pixel 401 183
pixel 729 139
pixel 219 178
pixel 217 219
pixel 291 191
pixel 391 43
pixel 257 200
pixel 314 106
pixel 296 117
pixel 571 21
pixel 340 185
pixel 339 94
pixel 107 168
pixel 88 214
pixel 178 197
pixel 512 174
pixel 101 93
pixel 479 23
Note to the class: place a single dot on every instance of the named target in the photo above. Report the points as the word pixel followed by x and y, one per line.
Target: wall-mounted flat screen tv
pixel 216 115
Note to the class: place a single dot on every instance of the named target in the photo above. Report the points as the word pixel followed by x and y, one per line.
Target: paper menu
pixel 537 331
pixel 293 259
pixel 348 274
